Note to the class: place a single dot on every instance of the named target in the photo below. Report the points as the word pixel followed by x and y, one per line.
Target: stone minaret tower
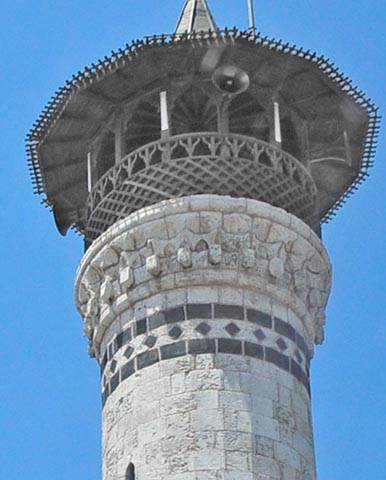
pixel 199 167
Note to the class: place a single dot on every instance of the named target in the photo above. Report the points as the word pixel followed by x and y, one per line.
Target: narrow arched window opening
pixel 130 472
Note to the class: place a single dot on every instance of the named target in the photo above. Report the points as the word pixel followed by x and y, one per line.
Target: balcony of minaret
pixel 194 138
pixel 212 112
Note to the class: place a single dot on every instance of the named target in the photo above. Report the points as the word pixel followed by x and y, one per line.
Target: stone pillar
pixel 203 313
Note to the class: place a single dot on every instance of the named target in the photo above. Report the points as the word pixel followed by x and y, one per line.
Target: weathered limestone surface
pixel 203 313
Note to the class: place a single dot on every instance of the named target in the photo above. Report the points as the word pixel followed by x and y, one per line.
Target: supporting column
pixel 164 110
pixel 120 140
pixel 203 313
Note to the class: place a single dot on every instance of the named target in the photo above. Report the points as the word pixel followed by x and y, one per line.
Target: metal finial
pixel 195 16
pixel 251 15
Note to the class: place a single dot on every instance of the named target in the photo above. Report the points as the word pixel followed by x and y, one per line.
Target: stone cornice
pixel 200 241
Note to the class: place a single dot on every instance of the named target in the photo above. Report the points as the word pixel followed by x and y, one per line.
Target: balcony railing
pixel 200 163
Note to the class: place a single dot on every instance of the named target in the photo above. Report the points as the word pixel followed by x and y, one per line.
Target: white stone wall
pixel 209 416
pixel 245 281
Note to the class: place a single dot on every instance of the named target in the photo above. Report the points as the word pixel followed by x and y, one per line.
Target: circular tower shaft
pixel 203 313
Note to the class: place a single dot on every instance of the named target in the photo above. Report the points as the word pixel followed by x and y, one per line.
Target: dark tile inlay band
pixel 175 315
pixel 157 320
pixel 232 312
pixel 277 358
pixel 175 332
pixel 148 358
pixel 201 346
pixel 206 311
pixel 199 310
pixel 260 318
pixel 254 350
pixel 229 345
pixel 141 326
pixel 285 329
pixel 203 328
pixel 232 329
pixel 173 350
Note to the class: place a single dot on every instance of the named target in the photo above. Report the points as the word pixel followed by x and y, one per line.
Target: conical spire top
pixel 196 17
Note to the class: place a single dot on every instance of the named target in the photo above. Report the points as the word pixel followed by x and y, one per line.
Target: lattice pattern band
pixel 201 163
pixel 203 317
pixel 204 311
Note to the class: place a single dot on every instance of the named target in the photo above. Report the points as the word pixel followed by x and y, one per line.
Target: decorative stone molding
pixel 153 265
pixel 199 329
pixel 184 257
pixel 203 240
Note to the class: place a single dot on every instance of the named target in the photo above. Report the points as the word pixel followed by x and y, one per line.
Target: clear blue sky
pixel 50 407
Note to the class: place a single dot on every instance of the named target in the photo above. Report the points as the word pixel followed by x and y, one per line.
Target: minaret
pixel 199 167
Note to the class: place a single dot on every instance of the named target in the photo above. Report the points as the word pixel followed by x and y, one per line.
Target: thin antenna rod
pixel 251 15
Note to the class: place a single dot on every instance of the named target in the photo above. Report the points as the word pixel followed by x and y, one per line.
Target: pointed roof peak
pixel 196 17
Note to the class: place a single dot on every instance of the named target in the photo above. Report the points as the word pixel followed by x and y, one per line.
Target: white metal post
pixel 277 122
pixel 251 15
pixel 164 114
pixel 89 178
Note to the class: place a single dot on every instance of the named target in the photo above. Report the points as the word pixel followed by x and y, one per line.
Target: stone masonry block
pixel 203 345
pixel 184 257
pixel 236 223
pixel 173 350
pixel 277 358
pixel 266 427
pixel 287 455
pixel 126 278
pixel 276 267
pixel 229 345
pixel 231 295
pixel 198 380
pixel 107 291
pixel 232 363
pixel 215 254
pixel 207 419
pixel 148 358
pixel 234 441
pixel 253 350
pixel 248 258
pixel 153 265
pixel 267 468
pixel 209 222
pixel 175 404
pixel 204 362
pixel 260 318
pixel 231 312
pixel 199 310
pixel 238 461
pixel 211 458
pixel 207 397
pixel 232 381
pixel 202 295
pixel 236 475
pixel 244 422
pixel 237 401
pixel 264 446
pixel 304 445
